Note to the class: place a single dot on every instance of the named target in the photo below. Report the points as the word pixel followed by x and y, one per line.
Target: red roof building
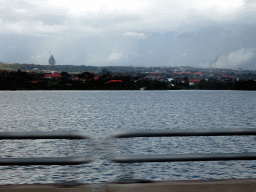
pixel 52 75
pixel 115 81
pixel 198 73
pixel 194 80
pixel 33 82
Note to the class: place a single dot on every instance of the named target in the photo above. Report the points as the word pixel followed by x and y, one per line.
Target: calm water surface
pixel 101 113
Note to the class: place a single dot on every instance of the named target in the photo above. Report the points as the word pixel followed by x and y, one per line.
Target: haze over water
pixel 101 113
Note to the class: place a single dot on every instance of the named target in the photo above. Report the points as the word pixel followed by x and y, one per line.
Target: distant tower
pixel 51 60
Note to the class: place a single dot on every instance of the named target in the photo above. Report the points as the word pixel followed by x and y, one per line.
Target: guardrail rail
pixel 183 157
pixel 44 160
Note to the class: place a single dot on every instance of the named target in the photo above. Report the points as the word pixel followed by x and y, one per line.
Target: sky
pixel 197 33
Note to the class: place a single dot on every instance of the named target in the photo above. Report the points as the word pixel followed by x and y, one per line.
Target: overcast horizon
pixel 201 33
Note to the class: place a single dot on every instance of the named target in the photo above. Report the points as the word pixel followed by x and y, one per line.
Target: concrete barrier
pixel 237 185
pixel 240 185
pixel 46 188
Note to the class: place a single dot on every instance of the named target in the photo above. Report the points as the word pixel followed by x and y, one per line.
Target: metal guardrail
pixel 44 160
pixel 128 158
pixel 183 157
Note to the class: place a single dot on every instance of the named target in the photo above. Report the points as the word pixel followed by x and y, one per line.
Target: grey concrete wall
pixel 188 186
pixel 240 185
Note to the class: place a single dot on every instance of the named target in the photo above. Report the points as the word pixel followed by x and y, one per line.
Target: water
pixel 100 113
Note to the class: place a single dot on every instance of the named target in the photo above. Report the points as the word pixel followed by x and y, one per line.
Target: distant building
pixel 54 77
pixel 51 60
pixel 154 77
pixel 50 76
pixel 193 81
pixel 115 81
pixel 198 73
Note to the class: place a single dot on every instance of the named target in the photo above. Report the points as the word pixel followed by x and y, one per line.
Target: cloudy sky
pixel 201 33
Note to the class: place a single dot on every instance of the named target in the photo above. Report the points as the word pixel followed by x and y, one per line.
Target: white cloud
pixel 133 54
pixel 37 59
pixel 136 35
pixel 205 65
pixel 31 17
pixel 234 58
pixel 114 56
pixel 79 7
pixel 31 28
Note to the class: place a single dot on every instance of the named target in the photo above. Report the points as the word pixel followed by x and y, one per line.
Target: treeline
pixel 27 67
pixel 85 81
pixel 20 80
pixel 218 85
pixel 91 85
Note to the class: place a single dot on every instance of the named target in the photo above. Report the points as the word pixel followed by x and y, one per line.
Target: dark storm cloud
pixel 202 48
pixel 18 48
